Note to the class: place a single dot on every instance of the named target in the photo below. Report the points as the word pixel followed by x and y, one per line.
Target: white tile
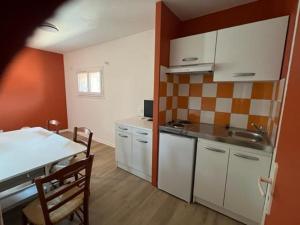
pixel 242 90
pixel 174 102
pixel 162 104
pixel 260 107
pixel 207 117
pixel 169 89
pixel 182 114
pixel 169 115
pixel 176 79
pixel 274 134
pixel 223 105
pixel 163 75
pixel 209 90
pixel 239 120
pixel 183 90
pixel 196 79
pixel 195 103
pixel 281 90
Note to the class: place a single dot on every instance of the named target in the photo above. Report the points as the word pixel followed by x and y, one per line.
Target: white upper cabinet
pixel 195 49
pixel 251 52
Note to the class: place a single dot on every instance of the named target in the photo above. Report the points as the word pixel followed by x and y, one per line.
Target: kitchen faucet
pixel 259 128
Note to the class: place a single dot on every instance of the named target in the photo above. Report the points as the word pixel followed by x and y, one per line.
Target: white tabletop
pixel 24 150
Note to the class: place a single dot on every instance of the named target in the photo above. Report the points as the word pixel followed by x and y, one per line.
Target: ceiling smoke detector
pixel 46 26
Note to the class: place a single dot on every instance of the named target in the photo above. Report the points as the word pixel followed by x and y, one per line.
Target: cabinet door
pixel 242 195
pixel 194 49
pixel 142 154
pixel 251 52
pixel 211 170
pixel 123 148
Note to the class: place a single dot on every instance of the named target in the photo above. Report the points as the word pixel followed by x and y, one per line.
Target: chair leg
pixel 86 213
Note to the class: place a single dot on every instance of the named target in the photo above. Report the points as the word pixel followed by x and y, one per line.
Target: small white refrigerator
pixel 176 164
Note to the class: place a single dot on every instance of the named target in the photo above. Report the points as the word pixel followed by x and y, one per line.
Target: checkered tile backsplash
pixel 198 99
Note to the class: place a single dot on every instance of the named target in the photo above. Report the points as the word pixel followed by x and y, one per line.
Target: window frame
pixel 89 93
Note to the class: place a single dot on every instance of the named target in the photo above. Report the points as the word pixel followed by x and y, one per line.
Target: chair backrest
pixel 82 170
pixel 86 141
pixel 53 125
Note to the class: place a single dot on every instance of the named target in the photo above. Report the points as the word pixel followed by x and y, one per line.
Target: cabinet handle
pixel 145 142
pixel 188 59
pixel 244 74
pixel 142 133
pixel 246 157
pixel 122 128
pixel 215 150
pixel 263 180
pixel 123 136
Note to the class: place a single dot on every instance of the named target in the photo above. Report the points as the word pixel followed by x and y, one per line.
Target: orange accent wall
pixel 285 207
pixel 166 28
pixel 32 90
pixel 252 12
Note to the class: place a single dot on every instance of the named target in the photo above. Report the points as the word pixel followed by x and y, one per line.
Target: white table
pixel 24 154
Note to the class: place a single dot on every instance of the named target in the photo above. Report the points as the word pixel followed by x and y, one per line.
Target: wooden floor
pixel 120 198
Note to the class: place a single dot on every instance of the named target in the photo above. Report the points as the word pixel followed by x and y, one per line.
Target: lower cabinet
pixel 134 150
pixel 242 195
pixel 124 148
pixel 226 179
pixel 142 154
pixel 211 170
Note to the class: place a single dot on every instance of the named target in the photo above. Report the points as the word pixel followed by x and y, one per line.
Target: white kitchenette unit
pixel 134 146
pixel 226 179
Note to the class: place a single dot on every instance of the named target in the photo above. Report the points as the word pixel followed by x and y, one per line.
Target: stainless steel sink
pixel 248 136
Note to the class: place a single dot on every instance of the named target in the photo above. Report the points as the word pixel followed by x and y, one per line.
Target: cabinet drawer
pixel 142 132
pixel 123 128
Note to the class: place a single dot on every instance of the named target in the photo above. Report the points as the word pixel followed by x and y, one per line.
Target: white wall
pixel 128 80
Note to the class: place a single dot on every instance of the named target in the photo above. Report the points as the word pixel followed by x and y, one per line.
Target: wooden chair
pixel 69 199
pixel 86 141
pixel 53 125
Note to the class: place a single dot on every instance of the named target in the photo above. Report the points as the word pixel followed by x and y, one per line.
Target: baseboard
pixel 100 140
pixel 224 211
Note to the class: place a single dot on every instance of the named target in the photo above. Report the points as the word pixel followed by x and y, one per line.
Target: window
pixel 90 83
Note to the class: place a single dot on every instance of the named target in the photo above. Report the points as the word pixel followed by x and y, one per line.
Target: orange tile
pixel 182 102
pixel 208 78
pixel 194 116
pixel 170 78
pixel 208 104
pixel 162 89
pixel 222 119
pixel 174 114
pixel 184 79
pixel 162 117
pixel 225 90
pixel 240 106
pixel 196 90
pixel 169 102
pixel 259 121
pixel 262 90
pixel 175 90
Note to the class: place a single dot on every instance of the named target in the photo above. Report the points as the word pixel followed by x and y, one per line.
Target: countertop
pixel 220 134
pixel 137 122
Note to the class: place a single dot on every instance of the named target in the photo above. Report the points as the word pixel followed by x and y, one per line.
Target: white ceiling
pixel 189 9
pixel 83 23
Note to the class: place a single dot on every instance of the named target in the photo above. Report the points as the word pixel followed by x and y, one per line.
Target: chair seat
pixel 34 212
